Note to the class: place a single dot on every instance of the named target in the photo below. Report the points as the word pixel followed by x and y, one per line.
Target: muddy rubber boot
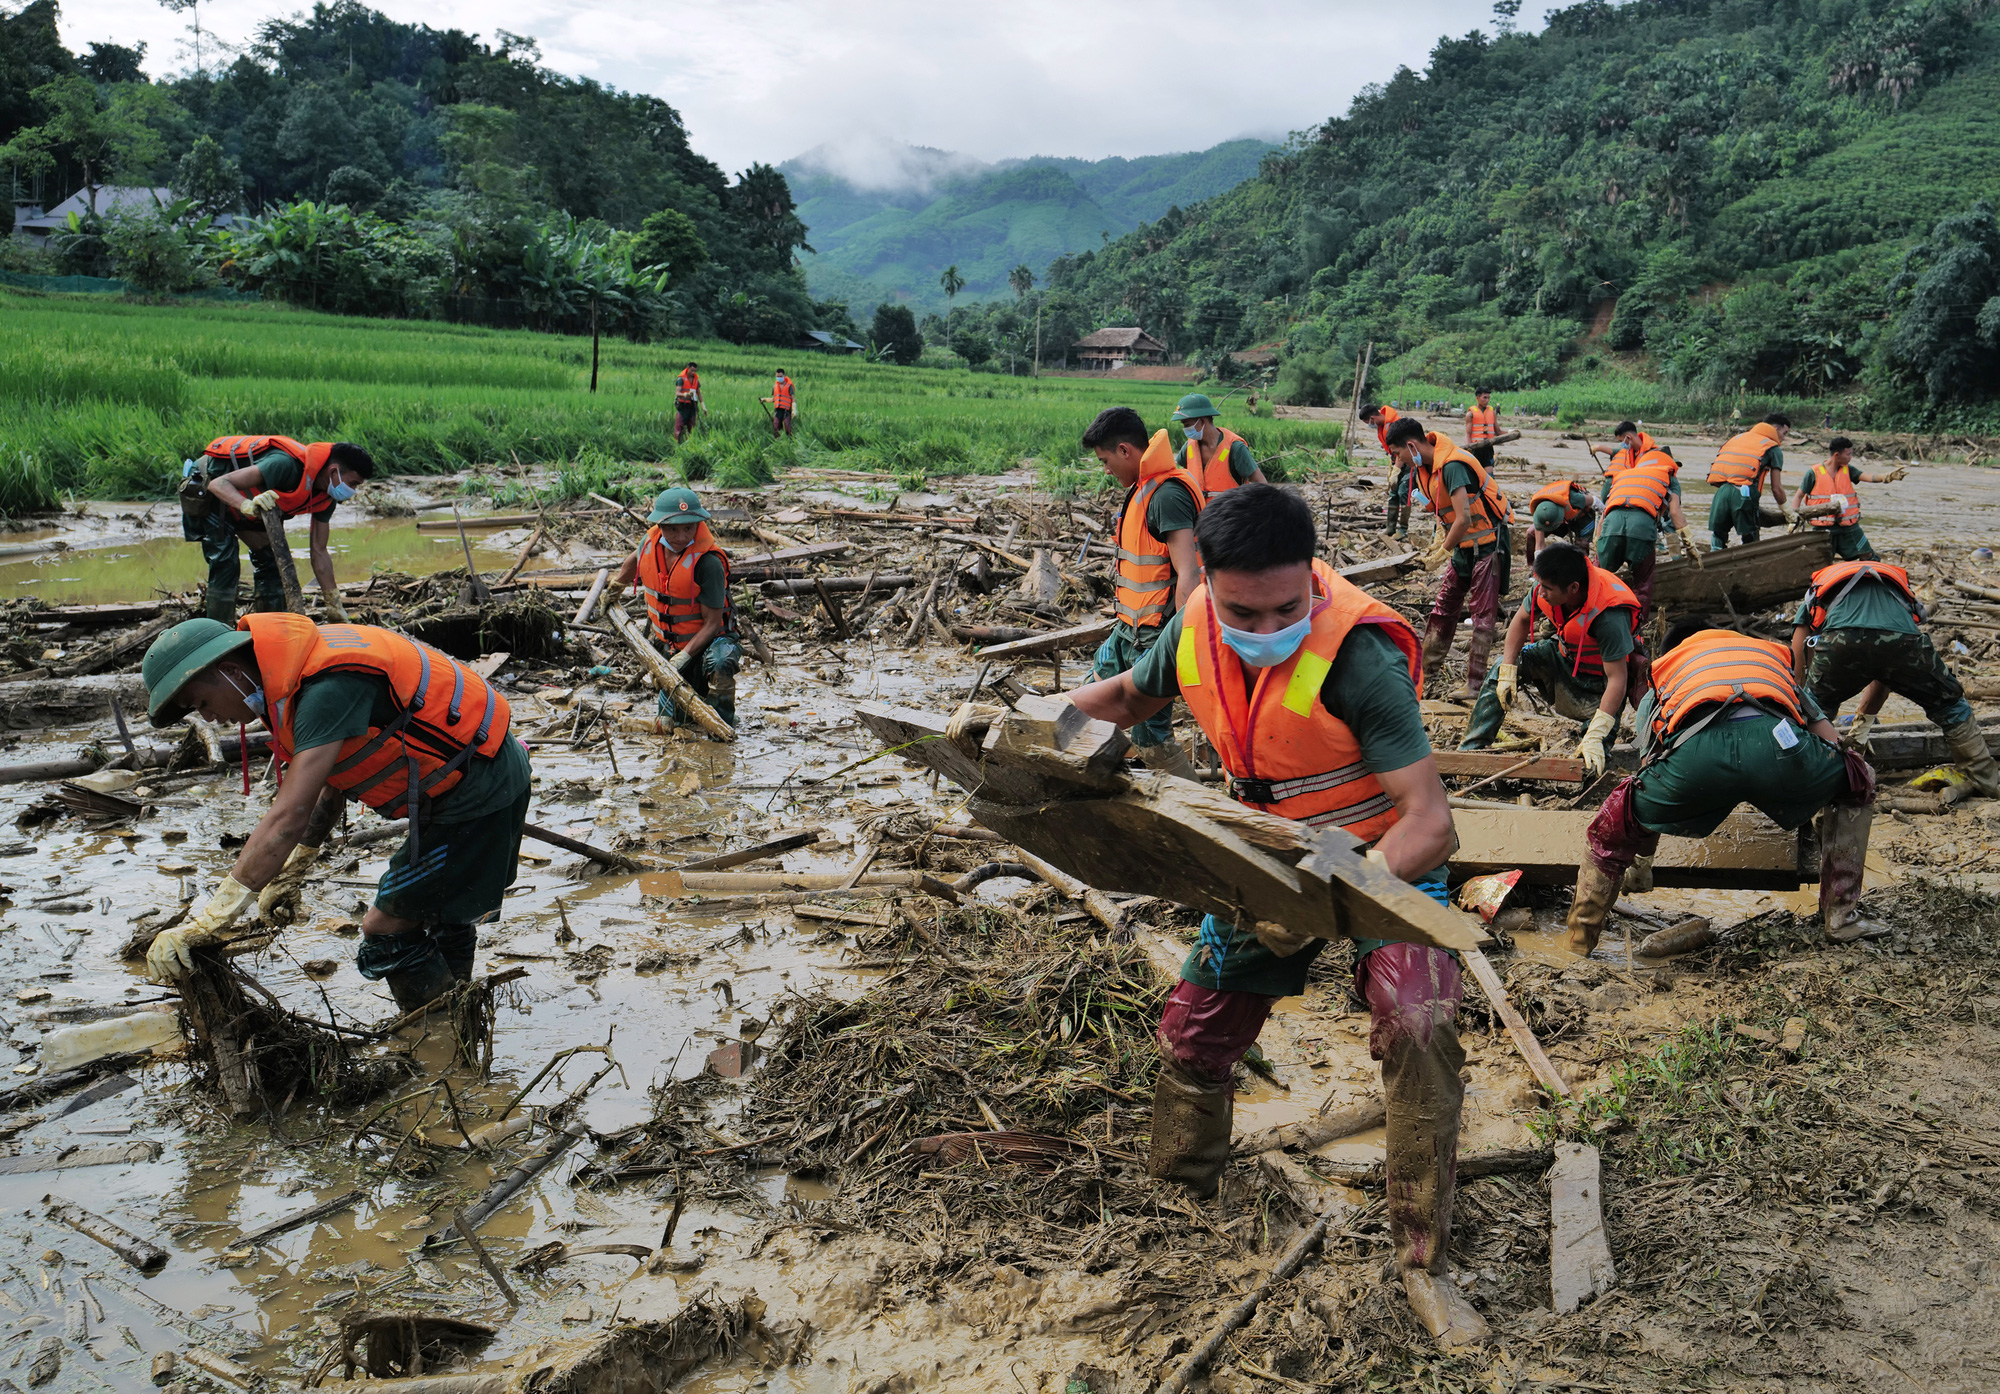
pixel 722 693
pixel 1843 856
pixel 1167 758
pixel 1477 647
pixel 1437 648
pixel 422 983
pixel 457 944
pixel 1970 753
pixel 1191 1123
pixel 1443 1309
pixel 1595 892
pixel 220 605
pixel 1639 876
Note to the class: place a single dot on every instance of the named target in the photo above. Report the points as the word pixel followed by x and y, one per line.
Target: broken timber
pixel 668 677
pixel 1558 769
pixel 1775 571
pixel 1580 1266
pixel 1748 852
pixel 1052 781
pixel 281 556
pixel 1075 637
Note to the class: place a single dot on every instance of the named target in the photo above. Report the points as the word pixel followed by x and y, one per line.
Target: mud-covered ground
pixel 1812 1219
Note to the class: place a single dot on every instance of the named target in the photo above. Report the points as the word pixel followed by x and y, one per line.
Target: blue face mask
pixel 253 699
pixel 1192 430
pixel 340 491
pixel 1267 650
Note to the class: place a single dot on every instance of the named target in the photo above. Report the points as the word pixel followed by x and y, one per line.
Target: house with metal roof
pixel 1107 350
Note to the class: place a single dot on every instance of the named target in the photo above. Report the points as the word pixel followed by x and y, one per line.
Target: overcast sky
pixel 769 79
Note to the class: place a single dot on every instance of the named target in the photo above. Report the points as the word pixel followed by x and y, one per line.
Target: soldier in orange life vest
pixel 226 494
pixel 1307 688
pixel 1222 459
pixel 1738 473
pixel 1158 567
pixel 1856 631
pixel 780 401
pixel 1833 483
pixel 1634 499
pixel 1632 443
pixel 365 713
pixel 1562 509
pixel 686 580
pixel 1726 724
pixel 1398 508
pixel 1482 424
pixel 687 400
pixel 1474 548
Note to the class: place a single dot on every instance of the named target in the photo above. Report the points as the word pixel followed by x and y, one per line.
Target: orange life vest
pixel 687 387
pixel 1285 753
pixel 446 713
pixel 1557 493
pixel 781 393
pixel 1625 457
pixel 1714 670
pixel 1644 486
pixel 1215 475
pixel 1145 594
pixel 1384 419
pixel 309 495
pixel 1481 425
pixel 1831 583
pixel 1573 636
pixel 1741 460
pixel 1487 504
pixel 1823 487
pixel 673 596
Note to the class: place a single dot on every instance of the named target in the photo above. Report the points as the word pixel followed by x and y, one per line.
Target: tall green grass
pixel 106 398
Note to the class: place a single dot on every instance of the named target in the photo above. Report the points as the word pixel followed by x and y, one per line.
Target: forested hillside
pixel 1761 195
pixel 398 169
pixel 933 209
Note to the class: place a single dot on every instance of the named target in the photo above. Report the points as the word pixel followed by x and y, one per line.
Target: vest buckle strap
pixel 1251 790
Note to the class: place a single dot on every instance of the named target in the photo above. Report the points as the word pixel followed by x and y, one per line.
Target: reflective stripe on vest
pixel 1830 585
pixel 1741 458
pixel 1716 669
pixel 1145 591
pixel 1485 502
pixel 1215 475
pixel 1557 493
pixel 673 596
pixel 238 452
pixel 1573 636
pixel 446 713
pixel 1482 425
pixel 1285 753
pixel 1645 486
pixel 1822 488
pixel 1625 457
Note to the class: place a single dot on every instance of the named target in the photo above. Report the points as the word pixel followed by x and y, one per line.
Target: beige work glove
pixel 1896 474
pixel 1687 548
pixel 1858 735
pixel 1507 684
pixel 1591 747
pixel 968 725
pixel 279 901
pixel 1278 939
pixel 335 611
pixel 1439 553
pixel 171 955
pixel 259 502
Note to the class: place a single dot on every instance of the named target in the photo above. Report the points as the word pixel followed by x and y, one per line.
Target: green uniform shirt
pixel 1869 605
pixel 278 470
pixel 337 707
pixel 1612 630
pixel 1242 464
pixel 711 582
pixel 1170 509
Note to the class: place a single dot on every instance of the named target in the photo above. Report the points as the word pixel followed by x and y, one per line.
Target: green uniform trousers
pixel 1840 662
pixel 1729 511
pixel 1692 789
pixel 1119 653
pixel 1543 668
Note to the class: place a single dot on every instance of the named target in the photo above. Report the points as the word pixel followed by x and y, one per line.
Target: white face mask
pixel 253 699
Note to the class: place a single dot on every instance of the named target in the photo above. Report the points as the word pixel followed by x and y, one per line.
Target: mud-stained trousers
pixel 1466 584
pixel 1412 994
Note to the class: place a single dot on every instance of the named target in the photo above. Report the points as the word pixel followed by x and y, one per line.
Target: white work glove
pixel 335 611
pixel 171 955
pixel 1591 747
pixel 259 502
pixel 1507 684
pixel 1278 939
pixel 279 901
pixel 1858 735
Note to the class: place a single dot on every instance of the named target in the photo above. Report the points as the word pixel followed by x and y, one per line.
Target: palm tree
pixel 952 282
pixel 1021 279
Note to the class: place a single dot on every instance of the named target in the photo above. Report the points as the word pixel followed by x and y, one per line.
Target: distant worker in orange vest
pixel 1725 724
pixel 1739 472
pixel 226 494
pixel 1307 687
pixel 1561 509
pixel 1635 498
pixel 1223 459
pixel 687 400
pixel 685 578
pixel 1473 549
pixel 1632 443
pixel 356 711
pixel 1833 483
pixel 1482 424
pixel 1856 631
pixel 1398 509
pixel 1158 566
pixel 781 404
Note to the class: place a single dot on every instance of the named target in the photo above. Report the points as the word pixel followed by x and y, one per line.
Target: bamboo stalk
pixel 147 1258
pixel 281 556
pixel 669 679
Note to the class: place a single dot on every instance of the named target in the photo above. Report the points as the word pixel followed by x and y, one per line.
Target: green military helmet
pixel 1548 516
pixel 1194 407
pixel 177 656
pixel 678 506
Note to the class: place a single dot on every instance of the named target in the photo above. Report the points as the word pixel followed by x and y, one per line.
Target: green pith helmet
pixel 678 506
pixel 178 655
pixel 1194 407
pixel 1548 516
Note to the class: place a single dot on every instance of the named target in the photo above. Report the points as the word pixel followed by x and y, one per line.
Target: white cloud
pixel 770 79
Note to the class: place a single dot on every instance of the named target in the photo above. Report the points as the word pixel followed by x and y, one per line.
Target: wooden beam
pixel 790 556
pixel 1077 636
pixel 1580 1265
pixel 1774 571
pixel 1559 769
pixel 668 677
pixel 1748 852
pixel 1367 573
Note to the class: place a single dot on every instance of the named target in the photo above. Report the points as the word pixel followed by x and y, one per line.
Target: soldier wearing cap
pixel 1214 454
pixel 685 577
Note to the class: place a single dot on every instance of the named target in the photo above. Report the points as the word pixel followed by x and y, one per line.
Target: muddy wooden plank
pixel 309 1215
pixel 1087 635
pixel 1774 571
pixel 1580 1265
pixel 1555 769
pixel 789 556
pixel 1385 569
pixel 92 614
pixel 117 1154
pixel 68 701
pixel 1748 852
pixel 839 585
